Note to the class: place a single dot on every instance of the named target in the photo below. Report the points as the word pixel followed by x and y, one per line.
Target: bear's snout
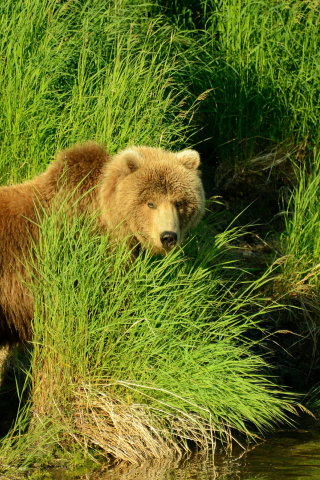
pixel 168 239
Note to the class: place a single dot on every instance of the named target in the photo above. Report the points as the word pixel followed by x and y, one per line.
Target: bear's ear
pixel 131 160
pixel 189 158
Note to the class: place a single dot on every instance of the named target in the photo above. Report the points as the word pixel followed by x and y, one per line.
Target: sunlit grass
pixel 84 70
pixel 135 359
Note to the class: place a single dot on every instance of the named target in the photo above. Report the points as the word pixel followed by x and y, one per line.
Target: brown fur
pixel 122 187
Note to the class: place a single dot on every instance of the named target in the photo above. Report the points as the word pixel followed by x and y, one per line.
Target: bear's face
pixel 155 195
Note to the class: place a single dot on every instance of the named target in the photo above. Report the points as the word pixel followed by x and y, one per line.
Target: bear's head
pixel 152 194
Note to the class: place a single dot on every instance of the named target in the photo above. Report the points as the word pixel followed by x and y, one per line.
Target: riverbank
pixel 293 453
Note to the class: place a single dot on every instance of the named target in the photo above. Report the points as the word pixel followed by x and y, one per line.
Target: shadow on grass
pixel 12 381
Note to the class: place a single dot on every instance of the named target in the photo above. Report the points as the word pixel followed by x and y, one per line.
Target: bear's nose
pixel 168 239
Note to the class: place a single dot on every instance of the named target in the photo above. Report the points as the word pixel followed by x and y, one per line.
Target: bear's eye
pixel 151 205
pixel 178 204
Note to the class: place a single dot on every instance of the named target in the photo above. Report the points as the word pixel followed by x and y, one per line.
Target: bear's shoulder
pixel 83 163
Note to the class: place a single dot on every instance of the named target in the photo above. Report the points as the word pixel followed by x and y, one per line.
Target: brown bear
pixel 156 196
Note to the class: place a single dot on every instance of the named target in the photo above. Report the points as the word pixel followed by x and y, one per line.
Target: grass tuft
pixel 137 359
pixel 300 265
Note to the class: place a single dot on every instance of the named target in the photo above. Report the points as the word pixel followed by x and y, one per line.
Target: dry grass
pixel 133 432
pixel 226 174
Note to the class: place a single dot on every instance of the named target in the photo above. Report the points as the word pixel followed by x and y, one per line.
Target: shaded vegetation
pixel 261 59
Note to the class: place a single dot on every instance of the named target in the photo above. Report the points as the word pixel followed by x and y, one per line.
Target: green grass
pixel 261 59
pixel 314 399
pixel 298 282
pixel 134 359
pixel 84 70
pixel 159 345
pixel 300 246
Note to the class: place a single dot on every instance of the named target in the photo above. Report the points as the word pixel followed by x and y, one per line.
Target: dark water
pixel 291 454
